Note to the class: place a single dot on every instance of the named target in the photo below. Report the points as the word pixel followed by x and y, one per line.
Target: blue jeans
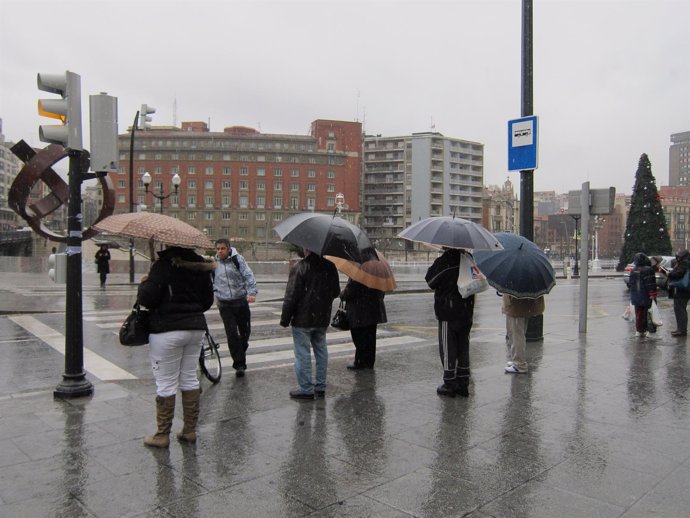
pixel 305 339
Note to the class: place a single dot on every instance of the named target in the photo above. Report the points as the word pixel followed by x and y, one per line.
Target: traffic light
pixel 67 110
pixel 103 125
pixel 144 118
pixel 57 268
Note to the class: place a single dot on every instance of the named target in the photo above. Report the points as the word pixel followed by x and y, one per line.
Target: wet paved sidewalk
pixel 600 427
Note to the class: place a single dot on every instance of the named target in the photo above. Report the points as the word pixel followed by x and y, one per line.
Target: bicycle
pixel 209 358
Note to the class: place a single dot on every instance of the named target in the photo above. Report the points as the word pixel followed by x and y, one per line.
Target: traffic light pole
pixel 74 382
pixel 131 194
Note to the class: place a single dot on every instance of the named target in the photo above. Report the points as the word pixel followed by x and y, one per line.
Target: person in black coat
pixel 103 263
pixel 365 310
pixel 642 291
pixel 679 295
pixel 177 291
pixel 454 315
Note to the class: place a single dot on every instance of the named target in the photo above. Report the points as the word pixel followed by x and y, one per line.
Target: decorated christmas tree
pixel 645 230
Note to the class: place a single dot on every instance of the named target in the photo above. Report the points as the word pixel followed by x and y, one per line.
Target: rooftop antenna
pixel 433 126
pixel 357 110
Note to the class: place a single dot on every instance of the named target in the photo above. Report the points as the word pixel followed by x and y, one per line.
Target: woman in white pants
pixel 177 291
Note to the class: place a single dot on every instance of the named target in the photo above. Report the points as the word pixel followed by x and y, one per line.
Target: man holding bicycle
pixel 235 287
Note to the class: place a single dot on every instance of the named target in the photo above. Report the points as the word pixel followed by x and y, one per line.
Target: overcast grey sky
pixel 611 77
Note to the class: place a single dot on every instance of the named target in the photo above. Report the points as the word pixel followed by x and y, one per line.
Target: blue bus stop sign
pixel 522 144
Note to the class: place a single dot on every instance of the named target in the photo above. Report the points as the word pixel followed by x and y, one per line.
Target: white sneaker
pixel 640 335
pixel 513 369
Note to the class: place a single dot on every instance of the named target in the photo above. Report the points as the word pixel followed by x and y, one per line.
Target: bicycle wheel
pixel 209 359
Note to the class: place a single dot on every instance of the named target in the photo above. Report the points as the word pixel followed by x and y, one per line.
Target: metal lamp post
pixel 162 196
pixel 576 270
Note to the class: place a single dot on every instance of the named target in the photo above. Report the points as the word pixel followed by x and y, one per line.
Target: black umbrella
pixel 521 269
pixel 451 232
pixel 326 235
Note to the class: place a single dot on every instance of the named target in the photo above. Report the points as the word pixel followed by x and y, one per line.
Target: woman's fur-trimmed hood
pixel 207 265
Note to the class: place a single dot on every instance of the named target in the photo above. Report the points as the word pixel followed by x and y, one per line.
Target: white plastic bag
pixel 629 313
pixel 655 315
pixel 470 279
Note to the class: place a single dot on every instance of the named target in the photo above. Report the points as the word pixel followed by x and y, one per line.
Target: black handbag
pixel 340 318
pixel 135 329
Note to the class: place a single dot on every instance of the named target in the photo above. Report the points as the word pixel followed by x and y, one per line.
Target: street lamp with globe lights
pixel 146 179
pixel 339 202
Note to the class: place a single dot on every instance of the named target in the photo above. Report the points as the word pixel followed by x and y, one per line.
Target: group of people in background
pixel 182 285
pixel 643 291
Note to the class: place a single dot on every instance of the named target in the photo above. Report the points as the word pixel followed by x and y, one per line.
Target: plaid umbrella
pixel 375 273
pixel 154 227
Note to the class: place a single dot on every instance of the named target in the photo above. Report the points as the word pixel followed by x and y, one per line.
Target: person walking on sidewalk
pixel 454 315
pixel 518 313
pixel 365 310
pixel 680 296
pixel 235 288
pixel 312 286
pixel 642 291
pixel 177 291
pixel 103 263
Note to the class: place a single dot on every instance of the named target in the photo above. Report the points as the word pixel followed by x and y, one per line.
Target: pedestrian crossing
pixel 270 345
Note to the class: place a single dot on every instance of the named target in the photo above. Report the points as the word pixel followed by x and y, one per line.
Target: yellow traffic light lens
pixel 43 111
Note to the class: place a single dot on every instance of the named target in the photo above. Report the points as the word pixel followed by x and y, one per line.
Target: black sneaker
pixel 463 391
pixel 319 393
pixel 445 390
pixel 240 372
pixel 298 394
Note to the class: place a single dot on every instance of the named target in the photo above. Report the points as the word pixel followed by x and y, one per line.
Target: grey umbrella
pixel 451 232
pixel 324 234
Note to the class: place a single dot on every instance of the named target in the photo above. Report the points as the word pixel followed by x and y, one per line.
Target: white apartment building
pixel 413 177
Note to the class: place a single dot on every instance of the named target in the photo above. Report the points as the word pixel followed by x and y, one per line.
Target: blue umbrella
pixel 521 269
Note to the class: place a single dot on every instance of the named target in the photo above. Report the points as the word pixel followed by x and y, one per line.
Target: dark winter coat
pixel 642 282
pixel 365 305
pixel 442 277
pixel 177 291
pixel 678 271
pixel 312 285
pixel 103 261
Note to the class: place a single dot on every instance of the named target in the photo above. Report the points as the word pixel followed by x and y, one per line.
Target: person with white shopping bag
pixel 455 279
pixel 642 292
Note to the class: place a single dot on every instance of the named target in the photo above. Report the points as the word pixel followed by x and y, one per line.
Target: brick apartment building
pixel 240 183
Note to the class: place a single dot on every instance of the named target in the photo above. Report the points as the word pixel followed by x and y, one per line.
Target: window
pixel 225 216
pixel 158 156
pixel 208 200
pixel 311 173
pixel 311 203
pixel 244 202
pixel 226 171
pixel 260 186
pixel 121 184
pixel 242 231
pixel 120 198
pixel 209 171
pixel 209 156
pixel 277 186
pixel 243 216
pixel 330 174
pixel 277 172
pixel 191 169
pixel 226 156
pixel 260 202
pixel 142 156
pixel 158 170
pixel 277 216
pixel 244 185
pixel 261 171
pixel 191 156
pixel 330 202
pixel 225 200
pixel 294 187
pixel 244 171
pixel 277 202
pixel 225 184
pixel 260 216
pixel 174 156
pixel 208 216
pixel 191 200
pixel 311 187
pixel 191 216
pixel 191 184
pixel 175 170
pixel 294 203
pixel 141 169
pixel 294 173
pixel 208 184
pixel 330 187
pixel 260 232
